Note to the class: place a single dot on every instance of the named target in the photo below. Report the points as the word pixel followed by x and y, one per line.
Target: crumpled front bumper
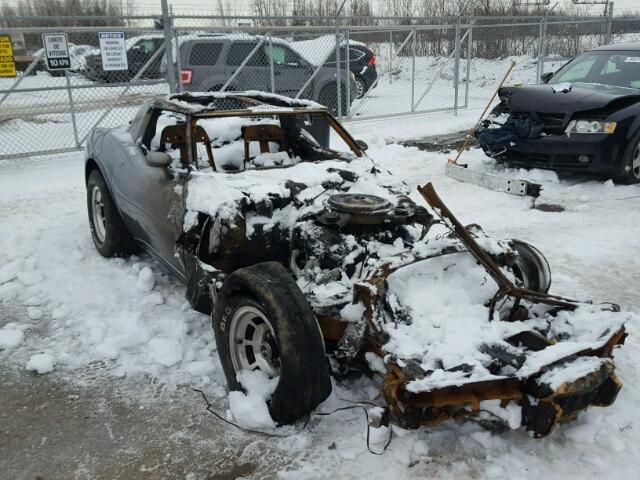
pixel 554 376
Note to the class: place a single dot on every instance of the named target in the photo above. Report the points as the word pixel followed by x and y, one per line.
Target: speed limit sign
pixel 56 49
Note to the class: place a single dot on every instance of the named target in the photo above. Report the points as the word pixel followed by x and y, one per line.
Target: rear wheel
pixel 110 235
pixel 630 171
pixel 329 98
pixel 361 88
pixel 262 321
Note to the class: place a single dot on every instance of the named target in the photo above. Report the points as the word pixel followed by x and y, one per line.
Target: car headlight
pixel 590 126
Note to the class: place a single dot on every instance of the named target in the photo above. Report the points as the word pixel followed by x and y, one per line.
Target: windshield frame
pixel 269 112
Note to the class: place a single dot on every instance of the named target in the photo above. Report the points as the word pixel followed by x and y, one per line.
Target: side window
pixel 239 51
pixel 136 128
pixel 166 132
pixel 147 46
pixel 282 55
pixel 205 53
pixel 355 55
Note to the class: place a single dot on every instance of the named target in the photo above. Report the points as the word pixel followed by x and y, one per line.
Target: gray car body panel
pixel 149 199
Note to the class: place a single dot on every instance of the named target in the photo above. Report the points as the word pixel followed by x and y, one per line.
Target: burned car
pixel 584 118
pixel 313 260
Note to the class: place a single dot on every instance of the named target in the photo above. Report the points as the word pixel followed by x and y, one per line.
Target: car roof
pixel 194 103
pixel 620 47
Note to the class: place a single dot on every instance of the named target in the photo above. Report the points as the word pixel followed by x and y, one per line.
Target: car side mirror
pixel 545 77
pixel 158 159
pixel 362 145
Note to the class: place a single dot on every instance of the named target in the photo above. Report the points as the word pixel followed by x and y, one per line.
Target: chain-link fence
pixel 360 68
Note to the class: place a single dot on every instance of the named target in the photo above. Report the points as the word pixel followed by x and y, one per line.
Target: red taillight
pixel 186 76
pixel 372 60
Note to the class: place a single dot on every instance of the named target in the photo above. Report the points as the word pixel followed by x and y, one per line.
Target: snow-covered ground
pixel 64 309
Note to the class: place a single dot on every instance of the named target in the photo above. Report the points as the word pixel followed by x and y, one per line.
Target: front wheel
pixel 110 235
pixel 630 171
pixel 262 321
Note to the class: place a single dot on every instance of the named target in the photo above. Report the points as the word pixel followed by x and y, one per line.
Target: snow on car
pixel 301 246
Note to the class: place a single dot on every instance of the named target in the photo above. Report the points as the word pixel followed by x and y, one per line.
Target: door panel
pixel 152 198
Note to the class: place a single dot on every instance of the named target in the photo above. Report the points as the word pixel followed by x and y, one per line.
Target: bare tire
pixel 630 170
pixel 531 267
pixel 110 235
pixel 262 321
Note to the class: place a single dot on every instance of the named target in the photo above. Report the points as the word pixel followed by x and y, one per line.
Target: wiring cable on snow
pixel 355 405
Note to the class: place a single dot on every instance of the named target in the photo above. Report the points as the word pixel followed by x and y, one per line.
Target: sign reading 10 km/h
pixel 56 49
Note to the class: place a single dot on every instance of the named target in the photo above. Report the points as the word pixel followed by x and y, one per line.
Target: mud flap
pixel 493 182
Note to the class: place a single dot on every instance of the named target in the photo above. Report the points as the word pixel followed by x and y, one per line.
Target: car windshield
pixel 618 68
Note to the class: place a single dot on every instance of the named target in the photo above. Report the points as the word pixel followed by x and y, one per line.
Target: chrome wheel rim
pixel 359 89
pixel 97 208
pixel 635 164
pixel 252 343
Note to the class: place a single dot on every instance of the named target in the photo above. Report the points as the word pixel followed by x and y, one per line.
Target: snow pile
pixel 41 363
pixel 250 409
pixel 10 338
pixel 146 280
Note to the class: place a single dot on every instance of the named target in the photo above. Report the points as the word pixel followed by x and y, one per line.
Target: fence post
pixel 413 72
pixel 338 68
pixel 174 40
pixel 541 49
pixel 469 54
pixel 347 62
pixel 72 109
pixel 168 46
pixel 390 56
pixel 609 21
pixel 271 73
pixel 456 68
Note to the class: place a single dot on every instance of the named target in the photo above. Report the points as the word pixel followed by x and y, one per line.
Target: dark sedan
pixel 583 118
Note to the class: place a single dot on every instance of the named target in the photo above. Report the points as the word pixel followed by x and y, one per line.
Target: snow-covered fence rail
pixel 383 66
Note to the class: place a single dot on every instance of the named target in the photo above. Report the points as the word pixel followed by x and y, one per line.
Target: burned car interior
pixel 282 211
pixel 248 139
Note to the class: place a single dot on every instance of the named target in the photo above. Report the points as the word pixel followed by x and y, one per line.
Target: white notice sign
pixel 113 51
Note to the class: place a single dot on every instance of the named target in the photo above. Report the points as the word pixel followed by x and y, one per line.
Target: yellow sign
pixel 7 63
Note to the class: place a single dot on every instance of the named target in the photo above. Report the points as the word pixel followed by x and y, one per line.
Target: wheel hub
pixel 252 342
pixel 97 207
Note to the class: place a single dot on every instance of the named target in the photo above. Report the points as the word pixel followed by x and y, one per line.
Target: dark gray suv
pixel 207 62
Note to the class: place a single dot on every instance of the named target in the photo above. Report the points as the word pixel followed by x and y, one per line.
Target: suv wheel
pixel 329 98
pixel 361 88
